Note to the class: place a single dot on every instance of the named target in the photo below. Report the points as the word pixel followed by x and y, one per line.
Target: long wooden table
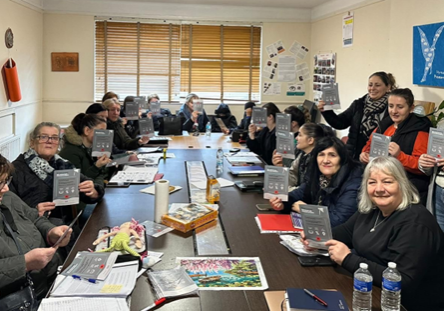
pixel 237 212
pixel 202 141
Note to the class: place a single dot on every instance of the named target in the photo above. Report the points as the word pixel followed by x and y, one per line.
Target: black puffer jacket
pixel 121 138
pixel 352 117
pixel 32 190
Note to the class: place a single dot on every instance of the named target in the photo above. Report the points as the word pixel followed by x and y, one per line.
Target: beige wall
pixel 19 118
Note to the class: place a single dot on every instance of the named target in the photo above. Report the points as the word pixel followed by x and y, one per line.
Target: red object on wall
pixel 12 84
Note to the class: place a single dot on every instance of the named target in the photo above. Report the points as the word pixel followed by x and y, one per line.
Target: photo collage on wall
pixel 324 73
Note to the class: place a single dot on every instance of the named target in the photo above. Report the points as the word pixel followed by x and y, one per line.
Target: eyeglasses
pixel 5 182
pixel 47 138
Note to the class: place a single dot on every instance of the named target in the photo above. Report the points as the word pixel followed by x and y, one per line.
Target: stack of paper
pixel 80 303
pixel 135 175
pixel 294 244
pixel 243 160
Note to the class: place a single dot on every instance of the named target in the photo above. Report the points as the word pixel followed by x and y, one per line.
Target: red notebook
pixel 276 222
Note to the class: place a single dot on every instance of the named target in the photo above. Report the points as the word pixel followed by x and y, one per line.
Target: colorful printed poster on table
pixel 259 117
pixel 198 105
pixel 102 143
pixel 285 144
pixel 330 95
pixel 283 122
pixel 379 146
pixel 66 187
pixel 146 127
pixel 225 273
pixel 132 111
pixel 435 147
pixel 155 108
pixel 276 182
pixel 316 224
pixel 141 100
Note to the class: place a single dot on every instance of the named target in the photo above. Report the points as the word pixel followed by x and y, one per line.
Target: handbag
pixel 25 298
pixel 170 126
pixel 239 136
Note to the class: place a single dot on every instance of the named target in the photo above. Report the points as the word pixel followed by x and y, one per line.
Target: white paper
pixel 152 189
pixel 271 51
pixel 295 89
pixel 279 46
pixel 242 154
pixel 225 182
pixel 271 67
pixel 287 68
pixel 302 72
pixel 81 303
pixel 299 50
pixel 272 88
pixel 347 29
pixel 135 175
pixel 119 283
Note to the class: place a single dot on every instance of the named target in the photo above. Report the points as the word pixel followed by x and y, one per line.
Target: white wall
pixel 27 26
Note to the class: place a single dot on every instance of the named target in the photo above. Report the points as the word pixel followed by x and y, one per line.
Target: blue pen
pixel 76 277
pixel 80 278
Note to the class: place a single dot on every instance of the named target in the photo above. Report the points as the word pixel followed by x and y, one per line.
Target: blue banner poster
pixel 428 55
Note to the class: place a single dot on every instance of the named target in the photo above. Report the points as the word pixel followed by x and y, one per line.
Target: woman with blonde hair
pixel 391 226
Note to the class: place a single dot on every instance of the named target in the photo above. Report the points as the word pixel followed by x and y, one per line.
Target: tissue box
pixel 187 216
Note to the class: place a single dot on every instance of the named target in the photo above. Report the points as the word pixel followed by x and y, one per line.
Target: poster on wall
pixel 324 73
pixel 428 55
pixel 299 50
pixel 296 89
pixel 272 88
pixel 347 29
pixel 287 68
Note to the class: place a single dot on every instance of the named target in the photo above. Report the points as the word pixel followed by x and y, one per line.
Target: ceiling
pixel 293 4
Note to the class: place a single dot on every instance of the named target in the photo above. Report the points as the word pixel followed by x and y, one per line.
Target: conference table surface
pixel 202 141
pixel 236 213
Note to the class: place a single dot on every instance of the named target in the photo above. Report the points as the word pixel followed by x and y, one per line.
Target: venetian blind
pixel 218 62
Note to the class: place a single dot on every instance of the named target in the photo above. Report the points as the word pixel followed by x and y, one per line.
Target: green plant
pixel 437 116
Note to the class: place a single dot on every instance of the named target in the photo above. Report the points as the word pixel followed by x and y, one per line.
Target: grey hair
pixel 390 166
pixel 190 97
pixel 110 102
pixel 36 131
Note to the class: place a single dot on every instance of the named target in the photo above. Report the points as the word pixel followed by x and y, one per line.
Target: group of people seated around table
pixel 376 207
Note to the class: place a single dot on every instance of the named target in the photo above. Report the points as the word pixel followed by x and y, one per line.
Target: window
pixel 220 63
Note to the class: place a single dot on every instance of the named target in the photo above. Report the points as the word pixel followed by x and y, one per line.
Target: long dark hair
pixel 83 120
pixel 272 109
pixel 313 167
pixel 296 114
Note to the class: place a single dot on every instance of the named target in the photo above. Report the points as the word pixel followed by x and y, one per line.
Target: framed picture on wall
pixel 65 61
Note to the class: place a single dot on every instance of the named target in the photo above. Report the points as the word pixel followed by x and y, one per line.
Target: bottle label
pixel 391 285
pixel 363 286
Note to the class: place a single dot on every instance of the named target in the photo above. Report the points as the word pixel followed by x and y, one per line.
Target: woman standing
pixel 364 113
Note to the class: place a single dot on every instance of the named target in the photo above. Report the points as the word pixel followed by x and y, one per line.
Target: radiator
pixel 10 148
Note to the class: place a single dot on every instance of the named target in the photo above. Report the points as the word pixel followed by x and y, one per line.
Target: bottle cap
pixel 392 265
pixel 363 265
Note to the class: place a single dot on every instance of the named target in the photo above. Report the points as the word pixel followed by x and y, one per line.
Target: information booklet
pixel 222 125
pixel 198 105
pixel 155 108
pixel 146 127
pixel 276 182
pixel 379 146
pixel 330 95
pixel 141 100
pixel 132 111
pixel 102 143
pixel 259 117
pixel 316 224
pixel 93 266
pixel 283 122
pixel 66 187
pixel 285 144
pixel 435 147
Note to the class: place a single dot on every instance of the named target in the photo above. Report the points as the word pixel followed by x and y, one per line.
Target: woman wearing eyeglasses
pixel 33 177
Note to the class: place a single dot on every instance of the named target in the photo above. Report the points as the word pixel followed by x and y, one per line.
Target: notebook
pixel 276 223
pixel 297 300
pixel 246 170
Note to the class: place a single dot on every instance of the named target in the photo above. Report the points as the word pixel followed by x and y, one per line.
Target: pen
pixel 322 302
pixel 80 278
pixel 156 303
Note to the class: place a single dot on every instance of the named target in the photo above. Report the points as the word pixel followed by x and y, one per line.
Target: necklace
pixel 376 222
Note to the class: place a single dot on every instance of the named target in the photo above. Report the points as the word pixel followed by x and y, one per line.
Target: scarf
pixel 323 183
pixel 372 110
pixel 44 169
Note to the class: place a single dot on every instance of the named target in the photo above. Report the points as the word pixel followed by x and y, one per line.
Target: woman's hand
pixel 276 204
pixel 87 187
pixel 144 140
pixel 321 105
pixel 102 161
pixel 277 159
pixel 124 121
pixel 45 207
pixel 297 206
pixel 364 157
pixel 149 115
pixel 337 251
pixel 252 131
pixel 226 132
pixel 248 112
pixel 38 258
pixel 194 116
pixel 426 160
pixel 394 149
pixel 55 233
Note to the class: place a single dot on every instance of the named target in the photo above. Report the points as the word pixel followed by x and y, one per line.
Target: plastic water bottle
pixel 362 289
pixel 195 129
pixel 208 129
pixel 220 161
pixel 391 289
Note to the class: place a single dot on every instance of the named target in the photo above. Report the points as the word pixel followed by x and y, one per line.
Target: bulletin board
pixel 324 72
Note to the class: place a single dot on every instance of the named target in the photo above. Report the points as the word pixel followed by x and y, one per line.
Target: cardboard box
pixel 188 216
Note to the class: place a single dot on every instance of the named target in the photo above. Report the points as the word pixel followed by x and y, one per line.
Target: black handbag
pixel 170 126
pixel 239 135
pixel 25 298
